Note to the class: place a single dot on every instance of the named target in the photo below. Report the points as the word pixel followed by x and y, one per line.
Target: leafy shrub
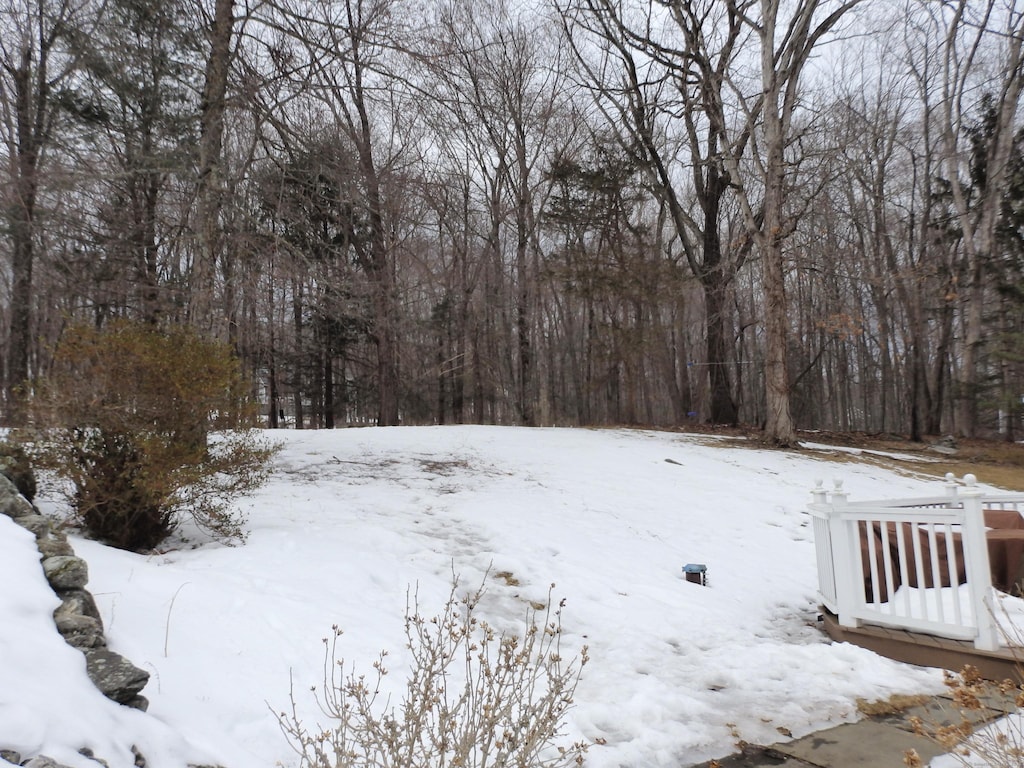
pixel 473 698
pixel 125 416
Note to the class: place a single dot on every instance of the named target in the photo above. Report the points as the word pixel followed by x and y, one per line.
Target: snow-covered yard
pixel 352 520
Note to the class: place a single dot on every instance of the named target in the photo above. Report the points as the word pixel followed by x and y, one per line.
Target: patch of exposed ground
pixel 994 462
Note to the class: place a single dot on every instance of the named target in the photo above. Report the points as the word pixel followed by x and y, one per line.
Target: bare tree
pixel 742 122
pixel 34 62
pixel 645 86
pixel 973 29
pixel 501 80
pixel 788 34
pixel 343 53
pixel 210 192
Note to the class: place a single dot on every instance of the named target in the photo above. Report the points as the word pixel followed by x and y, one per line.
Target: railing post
pixel 823 547
pixel 819 495
pixel 979 577
pixel 844 552
pixel 951 490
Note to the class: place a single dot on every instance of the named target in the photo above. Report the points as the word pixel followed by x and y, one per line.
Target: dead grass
pixel 994 462
pixel 444 467
pixel 509 579
pixel 893 705
pixel 1008 478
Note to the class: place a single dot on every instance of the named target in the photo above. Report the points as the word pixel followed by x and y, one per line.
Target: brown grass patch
pixel 994 462
pixel 444 467
pixel 509 579
pixel 895 704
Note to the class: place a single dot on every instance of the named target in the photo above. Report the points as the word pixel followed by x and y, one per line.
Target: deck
pixel 927 650
pixel 913 579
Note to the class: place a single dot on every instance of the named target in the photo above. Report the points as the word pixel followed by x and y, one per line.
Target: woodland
pixel 792 214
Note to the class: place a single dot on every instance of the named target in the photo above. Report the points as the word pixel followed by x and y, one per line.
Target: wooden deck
pixel 928 650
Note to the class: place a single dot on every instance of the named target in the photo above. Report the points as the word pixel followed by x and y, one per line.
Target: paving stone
pixel 877 742
pixel 757 757
pixel 1004 703
pixel 939 712
pixel 867 744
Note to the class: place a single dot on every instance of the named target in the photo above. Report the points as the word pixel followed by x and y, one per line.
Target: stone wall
pixel 77 618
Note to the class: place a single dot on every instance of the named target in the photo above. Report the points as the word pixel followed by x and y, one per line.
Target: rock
pixel 140 703
pixel 54 545
pixel 944 445
pixel 76 602
pixel 42 761
pixel 37 524
pixel 66 572
pixel 81 631
pixel 115 676
pixel 140 760
pixel 16 467
pixel 12 503
pixel 86 752
pixel 10 756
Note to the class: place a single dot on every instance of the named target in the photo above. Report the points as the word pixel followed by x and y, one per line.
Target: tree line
pixel 800 214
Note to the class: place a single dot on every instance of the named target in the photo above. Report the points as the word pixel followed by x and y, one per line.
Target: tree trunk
pixel 714 280
pixel 385 304
pixel 328 377
pixel 211 140
pixel 149 247
pixel 524 349
pixel 778 428
pixel 299 355
pixel 30 109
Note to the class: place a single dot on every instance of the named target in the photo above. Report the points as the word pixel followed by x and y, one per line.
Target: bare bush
pixel 474 698
pixel 972 738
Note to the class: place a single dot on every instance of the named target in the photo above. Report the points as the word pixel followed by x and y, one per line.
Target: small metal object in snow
pixel 697 573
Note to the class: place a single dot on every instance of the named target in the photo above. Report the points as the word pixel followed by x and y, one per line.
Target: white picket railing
pixel 919 564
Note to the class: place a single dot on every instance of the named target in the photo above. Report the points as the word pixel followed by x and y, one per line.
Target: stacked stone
pixel 77 618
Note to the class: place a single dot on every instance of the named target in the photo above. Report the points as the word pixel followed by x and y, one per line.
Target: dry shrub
pixel 895 704
pixel 125 416
pixel 969 737
pixel 473 698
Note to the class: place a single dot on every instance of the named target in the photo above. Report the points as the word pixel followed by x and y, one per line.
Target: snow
pixel 931 604
pixel 867 452
pixel 353 520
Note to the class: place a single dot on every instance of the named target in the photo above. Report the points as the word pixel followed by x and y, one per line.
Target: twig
pixel 167 625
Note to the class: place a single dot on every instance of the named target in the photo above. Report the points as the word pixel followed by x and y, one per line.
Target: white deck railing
pixel 919 564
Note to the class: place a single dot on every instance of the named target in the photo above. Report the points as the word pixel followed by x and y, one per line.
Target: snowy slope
pixel 352 519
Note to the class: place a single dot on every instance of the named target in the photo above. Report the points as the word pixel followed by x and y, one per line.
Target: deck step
pixel 927 650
